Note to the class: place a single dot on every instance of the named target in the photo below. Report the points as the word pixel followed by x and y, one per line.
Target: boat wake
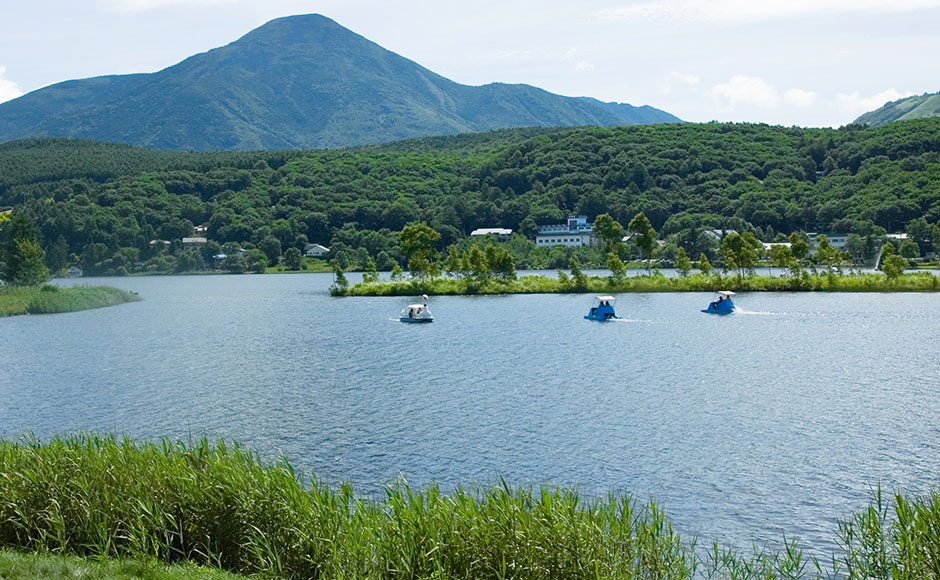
pixel 758 313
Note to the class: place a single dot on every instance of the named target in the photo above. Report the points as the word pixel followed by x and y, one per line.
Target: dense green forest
pixel 114 209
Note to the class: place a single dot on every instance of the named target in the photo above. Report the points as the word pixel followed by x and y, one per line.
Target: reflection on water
pixel 774 420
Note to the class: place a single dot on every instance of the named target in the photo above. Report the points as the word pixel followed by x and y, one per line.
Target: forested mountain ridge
pixel 93 208
pixel 295 82
pixel 916 107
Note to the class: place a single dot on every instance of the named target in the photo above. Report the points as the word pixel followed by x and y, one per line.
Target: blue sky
pixel 784 62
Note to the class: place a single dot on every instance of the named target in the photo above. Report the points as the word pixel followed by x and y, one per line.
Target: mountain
pixel 295 82
pixel 920 107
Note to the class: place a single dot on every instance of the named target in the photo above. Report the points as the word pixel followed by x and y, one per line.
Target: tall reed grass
pixel 218 504
pixel 50 299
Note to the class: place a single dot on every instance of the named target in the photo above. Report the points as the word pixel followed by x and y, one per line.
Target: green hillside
pixel 296 82
pixel 102 206
pixel 919 107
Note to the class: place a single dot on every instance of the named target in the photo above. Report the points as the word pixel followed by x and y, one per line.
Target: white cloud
pixel 854 104
pixel 733 12
pixel 677 78
pixel 583 66
pixel 800 98
pixel 745 90
pixel 8 89
pixel 756 92
pixel 145 5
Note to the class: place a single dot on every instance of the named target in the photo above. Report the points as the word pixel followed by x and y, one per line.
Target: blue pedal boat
pixel 722 304
pixel 603 309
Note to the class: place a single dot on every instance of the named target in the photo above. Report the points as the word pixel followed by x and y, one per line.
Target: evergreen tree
pixel 683 263
pixel 21 255
pixel 618 269
pixel 703 264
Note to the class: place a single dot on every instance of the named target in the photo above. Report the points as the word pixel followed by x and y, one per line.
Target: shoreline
pixel 565 284
pixel 51 299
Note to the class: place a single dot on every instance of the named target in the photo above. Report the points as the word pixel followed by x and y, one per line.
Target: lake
pixel 776 420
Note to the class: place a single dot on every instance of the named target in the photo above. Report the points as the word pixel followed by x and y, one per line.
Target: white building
pixel 193 243
pixel 720 234
pixel 837 241
pixel 502 234
pixel 315 251
pixel 576 233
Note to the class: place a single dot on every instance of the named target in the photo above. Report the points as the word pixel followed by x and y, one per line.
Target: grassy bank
pixel 914 282
pixel 17 566
pixel 50 299
pixel 220 505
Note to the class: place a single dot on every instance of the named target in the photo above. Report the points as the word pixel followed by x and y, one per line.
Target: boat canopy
pixel 725 293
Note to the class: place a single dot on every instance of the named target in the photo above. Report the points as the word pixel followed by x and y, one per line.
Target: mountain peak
pixel 297 28
pixel 295 82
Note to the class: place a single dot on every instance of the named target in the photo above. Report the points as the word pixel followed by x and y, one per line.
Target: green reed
pixel 49 299
pixel 827 282
pixel 218 504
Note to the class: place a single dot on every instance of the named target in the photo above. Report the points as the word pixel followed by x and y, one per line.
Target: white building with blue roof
pixel 576 233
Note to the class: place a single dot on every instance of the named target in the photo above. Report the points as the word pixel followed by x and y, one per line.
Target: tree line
pixel 114 209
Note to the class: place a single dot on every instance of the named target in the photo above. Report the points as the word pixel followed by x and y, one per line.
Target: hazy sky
pixel 784 62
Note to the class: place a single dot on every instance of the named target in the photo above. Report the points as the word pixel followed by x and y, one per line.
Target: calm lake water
pixel 778 419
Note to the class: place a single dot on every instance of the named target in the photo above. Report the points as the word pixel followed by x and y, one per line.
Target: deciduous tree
pixel 417 244
pixel 644 236
pixel 892 264
pixel 609 231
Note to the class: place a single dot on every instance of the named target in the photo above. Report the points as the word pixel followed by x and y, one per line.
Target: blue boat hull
pixel 601 318
pixel 724 307
pixel 601 313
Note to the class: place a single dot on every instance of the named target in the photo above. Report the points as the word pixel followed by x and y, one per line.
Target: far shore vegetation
pixel 489 268
pixel 114 210
pixel 23 273
pixel 221 506
pixel 581 283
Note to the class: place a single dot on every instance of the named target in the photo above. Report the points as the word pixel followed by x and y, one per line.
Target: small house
pixel 315 251
pixel 193 243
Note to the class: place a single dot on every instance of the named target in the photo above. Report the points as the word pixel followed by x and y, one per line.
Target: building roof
pixel 494 231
